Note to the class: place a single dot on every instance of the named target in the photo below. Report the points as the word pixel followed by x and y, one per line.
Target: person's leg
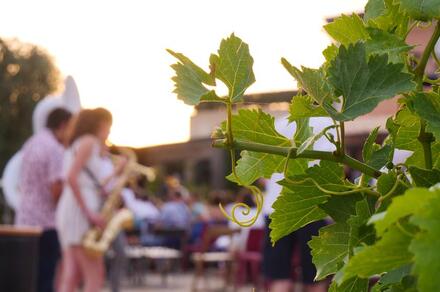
pixel 49 254
pixel 92 269
pixel 69 271
pixel 307 267
pixel 277 265
pixel 117 262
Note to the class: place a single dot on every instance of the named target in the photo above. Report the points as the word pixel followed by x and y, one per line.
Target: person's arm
pixel 56 188
pixel 109 181
pixel 83 154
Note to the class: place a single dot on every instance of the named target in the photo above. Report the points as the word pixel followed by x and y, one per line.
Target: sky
pixel 115 50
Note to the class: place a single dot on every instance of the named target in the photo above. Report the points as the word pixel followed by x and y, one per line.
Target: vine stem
pixel 426 138
pixel 255 190
pixel 342 128
pixel 291 152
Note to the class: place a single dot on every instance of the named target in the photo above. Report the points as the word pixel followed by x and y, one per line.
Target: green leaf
pixel 382 42
pixel 389 253
pixel 189 80
pixel 421 9
pixel 330 52
pixel 313 81
pixel 373 9
pixel 402 206
pixel 347 29
pixel 364 84
pixel 381 157
pixel 302 106
pixel 367 150
pixel 233 66
pixel 336 242
pixel 395 276
pixel 417 159
pixel 312 139
pixel 340 208
pixel 360 233
pixel 425 246
pixel 330 248
pixel 354 284
pixel 298 204
pixel 386 182
pixel 424 177
pixel 427 106
pixel 375 155
pixel 391 18
pixel 303 131
pixel 257 126
pixel 408 130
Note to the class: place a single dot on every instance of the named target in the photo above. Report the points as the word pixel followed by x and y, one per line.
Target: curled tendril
pixel 256 192
pixel 245 209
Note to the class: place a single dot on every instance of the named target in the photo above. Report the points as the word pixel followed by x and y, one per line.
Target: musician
pixel 81 200
pixel 41 185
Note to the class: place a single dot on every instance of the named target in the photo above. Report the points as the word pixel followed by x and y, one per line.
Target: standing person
pixel 41 185
pixel 277 259
pixel 81 200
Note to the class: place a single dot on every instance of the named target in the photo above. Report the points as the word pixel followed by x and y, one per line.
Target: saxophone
pixel 96 241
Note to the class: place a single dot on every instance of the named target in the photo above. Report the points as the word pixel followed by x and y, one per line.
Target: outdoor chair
pixel 248 261
pixel 206 256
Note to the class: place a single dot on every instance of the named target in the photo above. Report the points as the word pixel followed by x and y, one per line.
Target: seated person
pixel 174 215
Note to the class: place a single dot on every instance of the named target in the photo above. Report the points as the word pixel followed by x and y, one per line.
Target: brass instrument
pixel 96 241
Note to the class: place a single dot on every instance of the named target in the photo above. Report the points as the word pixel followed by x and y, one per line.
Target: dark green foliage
pixel 27 74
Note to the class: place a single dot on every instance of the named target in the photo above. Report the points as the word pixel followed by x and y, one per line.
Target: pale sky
pixel 115 50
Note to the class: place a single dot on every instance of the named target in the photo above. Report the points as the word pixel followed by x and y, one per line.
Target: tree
pixel 27 74
pixel 389 227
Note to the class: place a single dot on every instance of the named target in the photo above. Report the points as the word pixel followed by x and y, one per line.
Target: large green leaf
pixel 364 84
pixel 389 253
pixel 233 66
pixel 347 29
pixel 354 284
pixel 298 204
pixel 424 177
pixel 425 246
pixel 313 81
pixel 189 81
pixel 427 106
pixel 302 106
pixel 402 206
pixel 336 242
pixel 257 126
pixel 421 9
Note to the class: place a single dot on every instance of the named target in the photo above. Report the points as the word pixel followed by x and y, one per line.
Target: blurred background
pixel 115 51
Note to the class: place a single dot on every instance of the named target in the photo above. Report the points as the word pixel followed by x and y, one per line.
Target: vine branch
pixel 291 153
pixel 426 138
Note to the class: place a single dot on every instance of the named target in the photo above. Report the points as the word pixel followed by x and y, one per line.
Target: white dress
pixel 71 221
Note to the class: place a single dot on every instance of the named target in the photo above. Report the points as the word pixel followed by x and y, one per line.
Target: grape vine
pixel 386 223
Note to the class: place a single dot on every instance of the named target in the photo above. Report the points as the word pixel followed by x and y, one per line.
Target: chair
pixel 205 256
pixel 251 258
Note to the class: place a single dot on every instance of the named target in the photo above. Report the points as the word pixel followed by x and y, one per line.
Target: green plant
pixel 389 226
